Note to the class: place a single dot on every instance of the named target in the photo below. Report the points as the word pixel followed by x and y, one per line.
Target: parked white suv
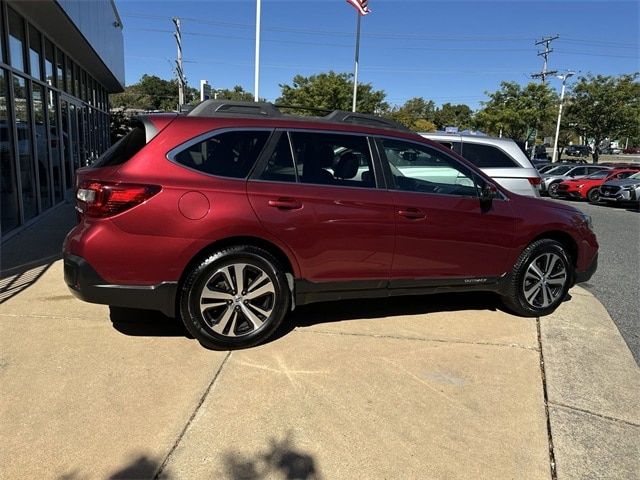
pixel 500 158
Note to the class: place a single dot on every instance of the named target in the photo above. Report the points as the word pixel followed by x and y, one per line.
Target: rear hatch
pixel 98 191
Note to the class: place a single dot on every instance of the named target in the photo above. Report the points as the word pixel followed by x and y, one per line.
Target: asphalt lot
pixel 616 283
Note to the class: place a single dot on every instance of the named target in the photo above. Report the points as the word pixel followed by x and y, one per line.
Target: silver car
pixel 551 179
pixel 500 158
pixel 622 190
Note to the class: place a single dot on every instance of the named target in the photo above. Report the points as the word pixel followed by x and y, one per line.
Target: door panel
pixel 456 238
pixel 325 206
pixel 337 233
pixel 443 231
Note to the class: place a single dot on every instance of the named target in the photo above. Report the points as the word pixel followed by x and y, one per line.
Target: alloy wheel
pixel 544 280
pixel 237 299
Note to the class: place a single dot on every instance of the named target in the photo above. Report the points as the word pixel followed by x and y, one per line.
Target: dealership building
pixel 60 60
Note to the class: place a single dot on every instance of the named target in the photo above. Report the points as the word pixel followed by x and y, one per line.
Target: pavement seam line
pixel 552 456
pixel 192 417
pixel 589 412
pixel 436 340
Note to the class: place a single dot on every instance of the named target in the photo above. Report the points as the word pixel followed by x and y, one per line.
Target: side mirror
pixel 488 193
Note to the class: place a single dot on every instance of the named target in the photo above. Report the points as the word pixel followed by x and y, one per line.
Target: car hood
pixel 623 182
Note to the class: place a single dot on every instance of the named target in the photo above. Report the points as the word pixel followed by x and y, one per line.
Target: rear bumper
pixel 85 283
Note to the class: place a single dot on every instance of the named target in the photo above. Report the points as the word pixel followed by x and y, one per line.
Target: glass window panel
pixel 69 73
pixel 8 188
pixel 230 154
pixel 60 69
pixel 48 63
pixel 16 39
pixel 35 50
pixel 418 168
pixel 23 127
pixel 331 159
pixel 42 148
pixel 76 80
pixel 67 145
pixel 54 144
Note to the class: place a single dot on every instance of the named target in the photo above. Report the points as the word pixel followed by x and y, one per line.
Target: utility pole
pixel 555 141
pixel 545 54
pixel 179 71
pixel 256 80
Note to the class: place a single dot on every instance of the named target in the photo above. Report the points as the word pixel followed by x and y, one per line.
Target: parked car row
pixel 610 183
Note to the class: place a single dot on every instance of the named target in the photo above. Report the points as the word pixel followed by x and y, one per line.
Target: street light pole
pixel 555 140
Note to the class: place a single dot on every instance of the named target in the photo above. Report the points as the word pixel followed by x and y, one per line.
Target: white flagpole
pixel 257 66
pixel 355 71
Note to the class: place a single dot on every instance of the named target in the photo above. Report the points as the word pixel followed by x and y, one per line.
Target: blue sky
pixel 447 51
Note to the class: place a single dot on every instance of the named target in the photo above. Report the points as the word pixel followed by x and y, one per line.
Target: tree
pixel 238 93
pixel 605 107
pixel 151 93
pixel 330 91
pixel 515 110
pixel 450 115
pixel 416 113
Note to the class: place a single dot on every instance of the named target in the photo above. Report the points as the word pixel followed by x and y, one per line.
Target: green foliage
pixel 238 93
pixel 515 110
pixel 450 115
pixel 330 91
pixel 119 125
pixel 603 107
pixel 151 93
pixel 417 114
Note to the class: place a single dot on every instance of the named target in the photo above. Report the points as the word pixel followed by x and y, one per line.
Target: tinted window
pixel 578 171
pixel 331 159
pixel 418 168
pixel 486 156
pixel 229 154
pixel 123 149
pixel 280 167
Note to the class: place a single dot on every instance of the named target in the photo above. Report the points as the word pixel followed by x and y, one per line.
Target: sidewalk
pixel 430 387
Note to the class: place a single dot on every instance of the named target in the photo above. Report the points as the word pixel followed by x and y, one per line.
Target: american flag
pixel 360 5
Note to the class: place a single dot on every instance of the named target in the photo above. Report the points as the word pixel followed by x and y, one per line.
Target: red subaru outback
pixel 233 214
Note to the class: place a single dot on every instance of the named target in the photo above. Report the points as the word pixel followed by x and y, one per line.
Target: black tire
pixel 522 282
pixel 227 318
pixel 593 195
pixel 553 190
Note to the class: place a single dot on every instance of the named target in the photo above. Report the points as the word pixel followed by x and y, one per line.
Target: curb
pixel 592 382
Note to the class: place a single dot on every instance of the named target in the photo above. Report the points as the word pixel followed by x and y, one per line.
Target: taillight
pixel 103 199
pixel 535 181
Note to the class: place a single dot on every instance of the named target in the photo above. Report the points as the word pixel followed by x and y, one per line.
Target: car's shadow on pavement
pixel 134 322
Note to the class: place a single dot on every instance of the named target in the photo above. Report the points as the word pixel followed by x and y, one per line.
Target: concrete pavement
pixel 432 387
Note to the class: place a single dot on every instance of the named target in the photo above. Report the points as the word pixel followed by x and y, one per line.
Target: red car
pixel 587 188
pixel 631 150
pixel 234 214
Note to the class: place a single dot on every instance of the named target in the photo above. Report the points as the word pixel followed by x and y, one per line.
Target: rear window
pixel 229 154
pixel 486 156
pixel 123 149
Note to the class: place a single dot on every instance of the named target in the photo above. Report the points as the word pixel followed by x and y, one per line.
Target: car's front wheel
pixel 540 279
pixel 593 195
pixel 235 298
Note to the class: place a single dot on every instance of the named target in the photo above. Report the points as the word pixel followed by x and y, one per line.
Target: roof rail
pixel 364 119
pixel 210 108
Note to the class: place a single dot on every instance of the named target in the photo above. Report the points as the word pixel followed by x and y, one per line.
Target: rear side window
pixel 229 154
pixel 123 149
pixel 487 156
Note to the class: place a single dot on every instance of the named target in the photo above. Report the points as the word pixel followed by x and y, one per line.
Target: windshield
pixel 597 175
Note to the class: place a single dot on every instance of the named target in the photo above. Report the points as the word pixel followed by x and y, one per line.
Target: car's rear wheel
pixel 235 298
pixel 540 279
pixel 553 189
pixel 593 195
